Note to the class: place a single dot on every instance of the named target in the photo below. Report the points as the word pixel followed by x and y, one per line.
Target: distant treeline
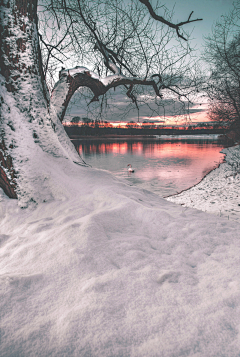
pixel 86 130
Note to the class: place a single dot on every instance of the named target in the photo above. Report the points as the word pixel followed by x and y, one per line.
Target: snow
pixel 90 266
pixel 109 79
pixel 78 69
pixel 61 87
pixel 219 191
pixel 107 269
pixel 114 68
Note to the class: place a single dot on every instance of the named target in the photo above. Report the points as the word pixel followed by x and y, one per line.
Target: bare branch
pixel 166 22
pixel 132 45
pixel 71 80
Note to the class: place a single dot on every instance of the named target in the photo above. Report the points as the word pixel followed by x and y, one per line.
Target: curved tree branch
pixel 164 21
pixel 71 80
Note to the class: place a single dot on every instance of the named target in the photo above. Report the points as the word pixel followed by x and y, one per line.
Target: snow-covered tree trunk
pixel 30 132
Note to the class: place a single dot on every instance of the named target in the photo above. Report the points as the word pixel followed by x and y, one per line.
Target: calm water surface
pixel 164 166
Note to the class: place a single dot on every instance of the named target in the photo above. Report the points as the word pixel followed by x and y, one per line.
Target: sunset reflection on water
pixel 163 166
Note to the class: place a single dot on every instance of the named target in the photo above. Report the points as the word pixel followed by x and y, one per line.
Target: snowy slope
pixel 105 269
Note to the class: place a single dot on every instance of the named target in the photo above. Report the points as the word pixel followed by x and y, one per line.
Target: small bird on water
pixel 130 169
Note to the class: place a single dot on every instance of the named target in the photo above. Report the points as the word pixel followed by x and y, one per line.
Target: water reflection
pixel 163 166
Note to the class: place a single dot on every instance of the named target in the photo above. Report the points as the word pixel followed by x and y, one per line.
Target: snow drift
pixel 105 269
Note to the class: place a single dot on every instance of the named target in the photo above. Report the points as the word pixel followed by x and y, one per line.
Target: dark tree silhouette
pixel 222 53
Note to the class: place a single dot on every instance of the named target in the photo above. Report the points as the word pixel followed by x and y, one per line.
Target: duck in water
pixel 130 169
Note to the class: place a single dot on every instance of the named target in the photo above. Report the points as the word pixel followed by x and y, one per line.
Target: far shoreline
pixel 146 137
pixel 101 132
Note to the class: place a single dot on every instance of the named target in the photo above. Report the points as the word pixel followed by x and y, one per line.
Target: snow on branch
pixel 71 79
pixel 110 58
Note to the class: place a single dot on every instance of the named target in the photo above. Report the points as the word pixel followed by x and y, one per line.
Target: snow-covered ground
pixel 219 191
pixel 107 269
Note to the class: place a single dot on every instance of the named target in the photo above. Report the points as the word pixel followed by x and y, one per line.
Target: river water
pixel 165 165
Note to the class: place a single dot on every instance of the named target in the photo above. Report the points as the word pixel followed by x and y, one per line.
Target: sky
pixel 209 10
pixel 120 110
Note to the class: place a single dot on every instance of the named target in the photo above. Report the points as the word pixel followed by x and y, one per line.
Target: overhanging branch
pixel 71 80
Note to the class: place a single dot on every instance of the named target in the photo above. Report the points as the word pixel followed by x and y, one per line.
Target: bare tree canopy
pixel 123 43
pixel 222 53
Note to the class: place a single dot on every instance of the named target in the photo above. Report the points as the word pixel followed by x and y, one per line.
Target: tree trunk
pixel 30 132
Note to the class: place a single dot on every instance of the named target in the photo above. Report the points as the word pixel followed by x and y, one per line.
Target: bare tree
pixel 123 39
pixel 222 53
pixel 127 43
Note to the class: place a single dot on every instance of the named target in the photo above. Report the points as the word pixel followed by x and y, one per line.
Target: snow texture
pixel 96 267
pixel 107 269
pixel 219 191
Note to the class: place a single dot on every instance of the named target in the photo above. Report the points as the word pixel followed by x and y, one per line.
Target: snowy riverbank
pixel 107 269
pixel 219 191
